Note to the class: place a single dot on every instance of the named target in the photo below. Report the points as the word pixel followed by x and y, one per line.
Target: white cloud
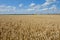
pixel 43 6
pixel 48 2
pixel 32 4
pixel 52 9
pixel 32 8
pixel 20 5
pixel 44 9
pixel 7 9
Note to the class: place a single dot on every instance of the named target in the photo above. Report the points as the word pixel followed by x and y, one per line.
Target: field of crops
pixel 29 27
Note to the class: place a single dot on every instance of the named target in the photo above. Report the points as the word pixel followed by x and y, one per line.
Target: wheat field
pixel 29 27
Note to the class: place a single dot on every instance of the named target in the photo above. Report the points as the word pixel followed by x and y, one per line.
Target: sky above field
pixel 29 6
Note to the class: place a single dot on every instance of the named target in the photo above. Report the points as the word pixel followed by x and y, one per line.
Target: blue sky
pixel 29 6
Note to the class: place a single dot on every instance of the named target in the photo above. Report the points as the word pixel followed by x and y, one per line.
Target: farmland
pixel 29 27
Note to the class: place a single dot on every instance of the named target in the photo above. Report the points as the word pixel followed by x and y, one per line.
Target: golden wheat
pixel 29 27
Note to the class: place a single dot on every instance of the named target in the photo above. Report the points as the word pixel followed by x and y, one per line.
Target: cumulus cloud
pixel 46 7
pixel 32 8
pixel 7 9
pixel 48 2
pixel 52 9
pixel 20 5
pixel 32 4
pixel 43 6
